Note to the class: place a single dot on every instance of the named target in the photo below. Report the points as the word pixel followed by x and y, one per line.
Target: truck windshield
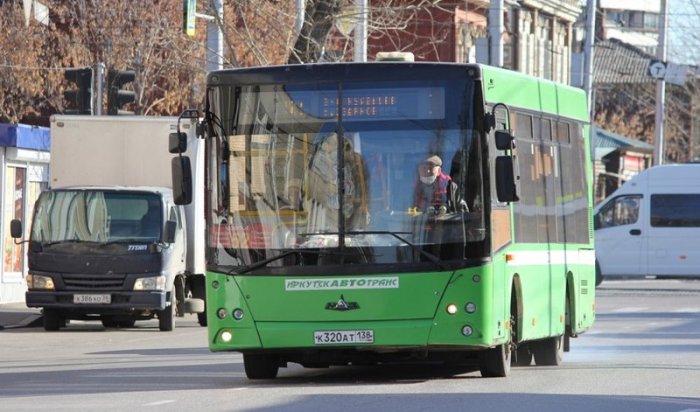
pixel 374 172
pixel 96 216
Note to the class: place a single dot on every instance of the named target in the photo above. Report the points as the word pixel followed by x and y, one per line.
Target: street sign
pixel 670 72
pixel 657 69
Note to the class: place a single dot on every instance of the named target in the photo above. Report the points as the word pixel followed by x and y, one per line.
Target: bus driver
pixel 435 191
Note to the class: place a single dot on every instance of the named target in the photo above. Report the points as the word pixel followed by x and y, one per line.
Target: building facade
pixel 24 166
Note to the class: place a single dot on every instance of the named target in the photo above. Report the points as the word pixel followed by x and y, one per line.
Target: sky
pixel 683 45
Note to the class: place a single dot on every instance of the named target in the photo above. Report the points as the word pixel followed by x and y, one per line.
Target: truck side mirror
pixel 507 179
pixel 177 142
pixel 16 229
pixel 169 232
pixel 504 140
pixel 182 180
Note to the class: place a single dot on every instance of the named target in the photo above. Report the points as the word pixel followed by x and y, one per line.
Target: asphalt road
pixel 643 354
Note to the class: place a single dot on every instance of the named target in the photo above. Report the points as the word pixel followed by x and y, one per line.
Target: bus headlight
pixel 226 336
pixel 39 282
pixel 467 330
pixel 451 308
pixel 150 283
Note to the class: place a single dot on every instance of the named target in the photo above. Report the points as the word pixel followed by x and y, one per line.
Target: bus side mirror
pixel 507 179
pixel 182 180
pixel 169 232
pixel 177 143
pixel 16 229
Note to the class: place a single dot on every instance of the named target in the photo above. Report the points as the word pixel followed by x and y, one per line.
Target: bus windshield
pixel 348 172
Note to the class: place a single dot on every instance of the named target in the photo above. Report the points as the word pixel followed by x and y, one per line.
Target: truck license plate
pixel 340 337
pixel 93 299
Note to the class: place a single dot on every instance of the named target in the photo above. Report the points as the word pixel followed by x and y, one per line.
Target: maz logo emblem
pixel 342 305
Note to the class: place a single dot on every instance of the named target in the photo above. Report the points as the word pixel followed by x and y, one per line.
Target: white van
pixel 651 225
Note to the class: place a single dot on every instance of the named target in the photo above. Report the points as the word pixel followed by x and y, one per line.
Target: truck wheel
pixel 260 366
pixel 202 318
pixel 108 322
pixel 166 317
pixel 53 320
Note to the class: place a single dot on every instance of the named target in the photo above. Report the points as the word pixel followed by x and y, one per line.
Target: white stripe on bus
pixel 553 257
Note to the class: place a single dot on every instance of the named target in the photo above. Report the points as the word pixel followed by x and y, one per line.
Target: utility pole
pixel 99 80
pixel 588 56
pixel 660 88
pixel 301 16
pixel 495 21
pixel 215 39
pixel 360 36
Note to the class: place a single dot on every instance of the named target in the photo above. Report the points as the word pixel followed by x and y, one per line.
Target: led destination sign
pixel 372 104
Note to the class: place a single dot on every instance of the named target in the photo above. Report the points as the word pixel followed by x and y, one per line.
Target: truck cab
pixel 107 253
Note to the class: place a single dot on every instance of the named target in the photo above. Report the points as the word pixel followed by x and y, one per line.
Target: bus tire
pixel 495 362
pixel 598 274
pixel 522 355
pixel 260 366
pixel 548 352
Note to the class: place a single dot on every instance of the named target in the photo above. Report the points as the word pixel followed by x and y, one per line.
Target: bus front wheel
pixel 260 366
pixel 495 362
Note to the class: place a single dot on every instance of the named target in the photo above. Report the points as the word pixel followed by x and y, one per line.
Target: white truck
pixel 650 226
pixel 107 240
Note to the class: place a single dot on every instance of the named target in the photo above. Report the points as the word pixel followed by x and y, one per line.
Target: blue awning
pixel 24 136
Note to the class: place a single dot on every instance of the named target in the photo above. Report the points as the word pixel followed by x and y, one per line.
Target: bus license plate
pixel 93 299
pixel 343 337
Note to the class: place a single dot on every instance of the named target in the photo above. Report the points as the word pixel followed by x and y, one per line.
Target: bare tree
pixel 171 67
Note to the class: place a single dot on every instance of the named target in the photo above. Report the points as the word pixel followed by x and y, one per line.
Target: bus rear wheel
pixel 548 352
pixel 260 366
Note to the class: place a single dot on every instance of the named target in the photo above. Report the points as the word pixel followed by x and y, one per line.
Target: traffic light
pixel 80 99
pixel 116 98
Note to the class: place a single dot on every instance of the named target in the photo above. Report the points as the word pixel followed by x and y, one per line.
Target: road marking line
pixel 629 309
pixel 158 403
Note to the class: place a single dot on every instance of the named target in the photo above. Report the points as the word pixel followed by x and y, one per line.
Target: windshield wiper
pixel 128 240
pixel 413 246
pixel 434 259
pixel 56 242
pixel 267 261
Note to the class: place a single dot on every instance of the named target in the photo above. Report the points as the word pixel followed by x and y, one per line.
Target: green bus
pixel 367 213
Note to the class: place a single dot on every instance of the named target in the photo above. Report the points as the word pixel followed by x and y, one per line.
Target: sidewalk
pixel 18 315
